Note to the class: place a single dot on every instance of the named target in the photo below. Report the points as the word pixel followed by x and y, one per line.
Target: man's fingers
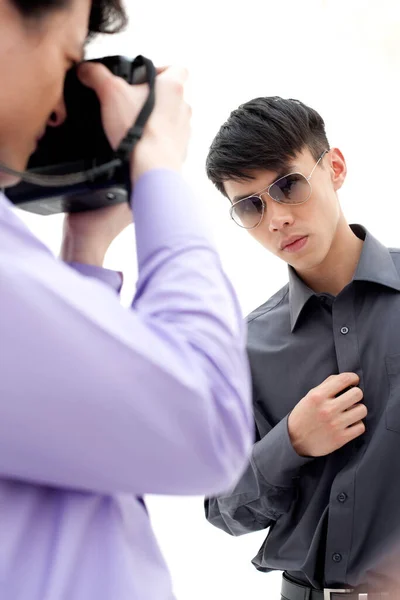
pixel 98 77
pixel 354 431
pixel 160 70
pixel 179 74
pixel 94 75
pixel 354 415
pixel 349 399
pixel 336 384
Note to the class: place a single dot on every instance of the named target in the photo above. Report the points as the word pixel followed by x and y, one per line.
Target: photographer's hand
pixel 87 236
pixel 166 136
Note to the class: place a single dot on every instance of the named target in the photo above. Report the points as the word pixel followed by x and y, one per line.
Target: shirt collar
pixel 375 265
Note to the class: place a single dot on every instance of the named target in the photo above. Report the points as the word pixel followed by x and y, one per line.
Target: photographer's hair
pixel 264 134
pixel 107 16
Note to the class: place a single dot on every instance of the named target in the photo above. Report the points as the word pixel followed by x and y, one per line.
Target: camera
pixel 74 168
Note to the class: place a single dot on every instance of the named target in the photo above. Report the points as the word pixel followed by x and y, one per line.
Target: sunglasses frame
pixel 266 191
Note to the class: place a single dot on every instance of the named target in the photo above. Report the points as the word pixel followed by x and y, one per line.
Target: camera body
pixel 79 144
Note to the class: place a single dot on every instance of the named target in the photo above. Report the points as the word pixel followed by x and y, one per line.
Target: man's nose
pixel 278 215
pixel 58 115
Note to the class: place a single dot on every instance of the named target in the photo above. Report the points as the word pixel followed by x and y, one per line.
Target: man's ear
pixel 338 168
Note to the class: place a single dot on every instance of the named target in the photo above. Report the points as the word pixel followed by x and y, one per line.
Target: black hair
pixel 265 133
pixel 107 16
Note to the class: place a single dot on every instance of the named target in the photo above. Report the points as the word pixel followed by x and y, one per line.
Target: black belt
pixel 297 591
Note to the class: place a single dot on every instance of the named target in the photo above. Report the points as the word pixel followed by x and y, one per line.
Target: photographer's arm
pixel 113 279
pixel 87 237
pixel 93 396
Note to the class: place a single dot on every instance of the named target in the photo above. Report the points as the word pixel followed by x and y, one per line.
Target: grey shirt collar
pixel 375 265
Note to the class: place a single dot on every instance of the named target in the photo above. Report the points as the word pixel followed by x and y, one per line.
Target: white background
pixel 342 57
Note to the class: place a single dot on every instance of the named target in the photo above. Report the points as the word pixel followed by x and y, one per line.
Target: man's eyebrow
pixel 285 170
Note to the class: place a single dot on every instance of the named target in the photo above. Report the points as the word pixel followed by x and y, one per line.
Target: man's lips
pixel 293 243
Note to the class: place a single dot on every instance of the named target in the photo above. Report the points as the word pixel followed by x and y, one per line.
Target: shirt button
pixel 342 497
pixel 344 330
pixel 336 557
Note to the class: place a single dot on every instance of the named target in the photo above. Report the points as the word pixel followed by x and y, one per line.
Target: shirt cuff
pixel 275 457
pixel 113 279
pixel 165 209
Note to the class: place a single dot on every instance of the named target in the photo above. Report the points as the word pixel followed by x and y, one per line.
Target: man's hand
pixel 326 418
pixel 166 135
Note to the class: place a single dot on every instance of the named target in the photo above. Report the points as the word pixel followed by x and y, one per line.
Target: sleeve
pixel 114 279
pixel 93 396
pixel 265 491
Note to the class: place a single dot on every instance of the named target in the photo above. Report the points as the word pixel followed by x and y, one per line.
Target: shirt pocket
pixel 392 414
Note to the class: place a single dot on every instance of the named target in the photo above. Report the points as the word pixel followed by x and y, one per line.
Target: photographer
pixel 100 405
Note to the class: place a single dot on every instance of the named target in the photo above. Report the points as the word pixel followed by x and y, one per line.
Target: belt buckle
pixel 329 591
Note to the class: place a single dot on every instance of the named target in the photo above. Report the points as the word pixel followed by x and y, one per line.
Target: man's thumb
pixel 94 75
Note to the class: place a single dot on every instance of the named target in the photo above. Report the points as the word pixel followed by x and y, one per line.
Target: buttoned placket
pixel 341 505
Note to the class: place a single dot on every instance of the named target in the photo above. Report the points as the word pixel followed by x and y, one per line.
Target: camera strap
pixel 135 133
pixel 142 71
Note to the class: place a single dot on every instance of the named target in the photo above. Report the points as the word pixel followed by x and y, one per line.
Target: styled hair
pixel 265 133
pixel 107 16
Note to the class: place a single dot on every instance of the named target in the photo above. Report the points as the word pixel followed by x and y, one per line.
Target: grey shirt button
pixel 344 330
pixel 336 557
pixel 342 497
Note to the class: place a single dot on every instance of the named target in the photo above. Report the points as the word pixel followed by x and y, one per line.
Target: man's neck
pixel 339 266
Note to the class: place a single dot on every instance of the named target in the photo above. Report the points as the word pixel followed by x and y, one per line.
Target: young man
pixel 98 404
pixel 325 360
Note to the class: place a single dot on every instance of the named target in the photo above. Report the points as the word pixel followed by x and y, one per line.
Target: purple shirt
pixel 100 405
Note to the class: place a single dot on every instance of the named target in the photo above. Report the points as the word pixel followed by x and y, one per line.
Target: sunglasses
pixel 293 188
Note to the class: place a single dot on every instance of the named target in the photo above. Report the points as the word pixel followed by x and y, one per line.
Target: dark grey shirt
pixel 331 519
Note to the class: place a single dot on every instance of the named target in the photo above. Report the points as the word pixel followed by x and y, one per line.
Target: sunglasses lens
pixel 292 189
pixel 248 213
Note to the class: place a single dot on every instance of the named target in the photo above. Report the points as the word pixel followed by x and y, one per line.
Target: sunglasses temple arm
pixel 316 164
